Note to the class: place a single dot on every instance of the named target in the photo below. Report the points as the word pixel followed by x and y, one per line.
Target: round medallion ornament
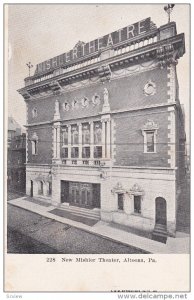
pixel 96 99
pixel 149 88
pixel 34 112
pixel 85 102
pixel 65 106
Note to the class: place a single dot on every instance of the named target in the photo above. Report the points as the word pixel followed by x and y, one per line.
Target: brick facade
pixel 127 99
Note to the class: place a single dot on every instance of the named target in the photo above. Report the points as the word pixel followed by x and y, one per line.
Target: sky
pixel 39 32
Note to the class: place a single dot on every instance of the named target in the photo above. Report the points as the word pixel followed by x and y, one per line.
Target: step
pixel 159 234
pixel 81 209
pixel 83 212
pixel 160 230
pixel 87 216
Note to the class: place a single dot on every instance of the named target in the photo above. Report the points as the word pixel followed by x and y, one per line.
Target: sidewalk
pixel 180 244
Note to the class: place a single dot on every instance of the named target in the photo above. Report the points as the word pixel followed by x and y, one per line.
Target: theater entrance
pixel 81 194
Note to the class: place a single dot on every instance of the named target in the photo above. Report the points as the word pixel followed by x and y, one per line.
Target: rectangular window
pixel 74 152
pixel 34 147
pixel 150 141
pixel 120 202
pixel 97 133
pixel 64 136
pixel 137 204
pixel 85 133
pixel 98 152
pixel 74 135
pixel 86 152
pixel 64 153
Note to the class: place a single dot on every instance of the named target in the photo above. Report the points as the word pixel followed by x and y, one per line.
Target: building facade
pixel 105 127
pixel 16 168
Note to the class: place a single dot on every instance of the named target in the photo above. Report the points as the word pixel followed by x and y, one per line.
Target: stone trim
pixel 26 145
pixel 171 138
pixel 113 141
pixel 171 84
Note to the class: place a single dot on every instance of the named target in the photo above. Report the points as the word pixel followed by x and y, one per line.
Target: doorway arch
pixel 161 211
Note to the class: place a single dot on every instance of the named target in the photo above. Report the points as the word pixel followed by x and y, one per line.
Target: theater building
pixel 105 129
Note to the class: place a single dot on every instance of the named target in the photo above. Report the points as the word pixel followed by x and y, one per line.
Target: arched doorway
pixel 161 217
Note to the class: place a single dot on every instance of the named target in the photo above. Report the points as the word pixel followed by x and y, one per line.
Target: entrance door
pixel 161 211
pixel 31 188
pixel 64 191
pixel 96 195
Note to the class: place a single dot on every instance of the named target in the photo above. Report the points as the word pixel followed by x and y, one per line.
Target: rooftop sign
pixel 82 49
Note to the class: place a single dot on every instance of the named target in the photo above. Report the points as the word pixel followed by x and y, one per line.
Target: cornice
pixel 166 51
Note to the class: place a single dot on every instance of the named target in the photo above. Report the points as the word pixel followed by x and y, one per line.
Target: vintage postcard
pixel 97 143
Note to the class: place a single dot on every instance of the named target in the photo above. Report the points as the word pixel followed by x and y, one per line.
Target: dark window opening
pixel 98 152
pixel 150 141
pixel 120 202
pixel 137 204
pixel 75 152
pixel 64 152
pixel 86 152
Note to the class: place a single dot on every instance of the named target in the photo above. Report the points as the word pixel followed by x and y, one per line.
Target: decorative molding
pixel 34 137
pixel 118 188
pixel 75 104
pixel 104 73
pixel 149 88
pixel 85 102
pixel 96 99
pixel 55 87
pixel 136 190
pixel 65 106
pixel 166 55
pixel 34 112
pixel 150 125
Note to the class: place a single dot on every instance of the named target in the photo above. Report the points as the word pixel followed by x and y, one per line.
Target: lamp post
pixel 168 9
pixel 29 65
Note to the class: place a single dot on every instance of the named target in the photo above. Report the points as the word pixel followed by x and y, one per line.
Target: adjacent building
pixel 16 157
pixel 105 128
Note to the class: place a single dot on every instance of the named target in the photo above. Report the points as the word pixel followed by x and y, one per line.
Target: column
pixel 108 140
pixel 91 140
pixel 58 142
pixel 103 139
pixel 80 139
pixel 69 141
pixel 54 142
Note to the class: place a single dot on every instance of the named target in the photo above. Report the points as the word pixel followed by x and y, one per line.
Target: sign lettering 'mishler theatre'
pixel 82 49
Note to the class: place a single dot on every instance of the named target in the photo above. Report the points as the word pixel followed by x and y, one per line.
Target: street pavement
pixel 32 233
pixel 104 230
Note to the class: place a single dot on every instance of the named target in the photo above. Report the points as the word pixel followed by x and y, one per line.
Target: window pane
pixel 97 133
pixel 137 204
pixel 74 135
pixel 120 201
pixel 86 152
pixel 86 133
pixel 65 136
pixel 75 152
pixel 64 152
pixel 98 152
pixel 150 141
